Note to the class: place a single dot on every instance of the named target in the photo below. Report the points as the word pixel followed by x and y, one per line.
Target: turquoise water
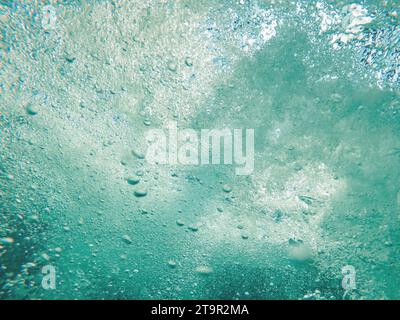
pixel 81 82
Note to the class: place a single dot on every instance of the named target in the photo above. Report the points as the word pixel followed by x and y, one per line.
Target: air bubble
pixel 188 62
pixel 193 228
pixel 32 109
pixel 172 264
pixel 204 270
pixel 336 98
pixel 172 66
pixel 70 57
pixel 45 256
pixel 133 180
pixel 139 173
pixel 127 239
pixel 138 154
pixel 140 193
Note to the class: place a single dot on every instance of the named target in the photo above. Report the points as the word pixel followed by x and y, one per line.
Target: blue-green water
pixel 81 82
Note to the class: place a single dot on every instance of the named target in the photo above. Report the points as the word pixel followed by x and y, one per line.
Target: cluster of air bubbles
pixel 246 28
pixel 372 33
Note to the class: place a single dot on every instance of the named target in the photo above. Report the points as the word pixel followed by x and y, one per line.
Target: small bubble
pixel 227 188
pixel 204 270
pixel 133 180
pixel 139 173
pixel 180 223
pixel 34 218
pixel 388 243
pixel 70 57
pixel 172 66
pixel 140 193
pixel 298 167
pixel 336 98
pixel 32 109
pixel 45 256
pixel 127 239
pixel 188 62
pixel 172 264
pixel 138 154
pixel 193 228
pixel 29 265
